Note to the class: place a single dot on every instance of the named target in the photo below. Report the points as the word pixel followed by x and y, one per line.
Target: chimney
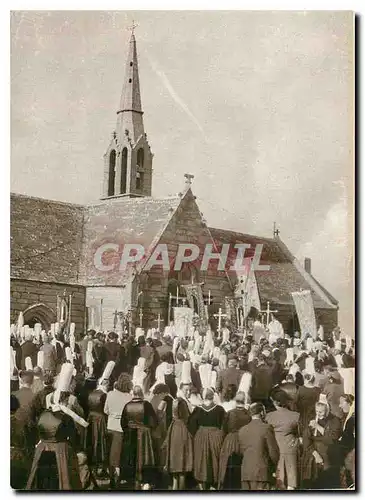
pixel 308 264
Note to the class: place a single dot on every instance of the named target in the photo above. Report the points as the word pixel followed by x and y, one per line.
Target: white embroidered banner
pixel 247 287
pixel 305 310
pixel 183 320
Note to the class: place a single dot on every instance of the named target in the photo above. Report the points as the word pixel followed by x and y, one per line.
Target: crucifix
pixel 220 315
pixel 268 312
pixel 176 297
pixel 159 320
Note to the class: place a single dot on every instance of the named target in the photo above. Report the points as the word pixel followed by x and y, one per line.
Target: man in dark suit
pixel 262 382
pixel 229 376
pixel 115 352
pixel 259 449
pixel 28 349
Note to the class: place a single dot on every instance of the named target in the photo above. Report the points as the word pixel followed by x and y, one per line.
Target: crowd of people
pixel 158 410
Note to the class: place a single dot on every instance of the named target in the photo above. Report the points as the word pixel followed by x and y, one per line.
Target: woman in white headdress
pixel 55 465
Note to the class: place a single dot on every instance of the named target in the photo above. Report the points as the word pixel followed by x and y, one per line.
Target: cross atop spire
pixel 188 179
pixel 132 28
pixel 276 231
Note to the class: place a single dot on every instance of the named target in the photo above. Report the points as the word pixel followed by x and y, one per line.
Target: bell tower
pixel 128 159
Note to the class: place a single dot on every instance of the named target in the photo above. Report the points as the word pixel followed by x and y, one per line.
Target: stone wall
pixel 186 226
pixel 25 294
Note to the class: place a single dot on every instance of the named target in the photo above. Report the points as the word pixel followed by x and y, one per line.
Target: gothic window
pixel 112 158
pixel 123 179
pixel 140 158
pixel 139 180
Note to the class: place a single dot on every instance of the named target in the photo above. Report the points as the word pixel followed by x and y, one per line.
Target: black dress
pixel 205 424
pixel 230 458
pixel 55 465
pixel 138 457
pixel 96 433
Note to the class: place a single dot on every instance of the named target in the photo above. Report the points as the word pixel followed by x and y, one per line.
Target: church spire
pixel 128 160
pixel 131 95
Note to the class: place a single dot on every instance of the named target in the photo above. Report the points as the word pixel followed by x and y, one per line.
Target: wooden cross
pixel 132 28
pixel 220 315
pixel 268 312
pixel 159 319
pixel 275 231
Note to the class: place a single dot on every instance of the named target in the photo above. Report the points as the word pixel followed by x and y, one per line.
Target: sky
pixel 258 105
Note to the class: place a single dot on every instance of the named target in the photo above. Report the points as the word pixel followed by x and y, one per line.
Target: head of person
pixel 137 392
pixel 257 411
pixel 186 390
pixel 26 378
pixel 184 344
pixel 289 378
pixel 308 379
pixel 230 393
pixel 124 383
pixel 232 361
pixel 322 410
pixel 91 334
pixel 240 399
pixel 280 399
pixel 334 377
pixel 161 390
pixel 112 337
pixel 48 380
pixel 208 396
pixel 141 341
pixel 346 401
pixel 38 372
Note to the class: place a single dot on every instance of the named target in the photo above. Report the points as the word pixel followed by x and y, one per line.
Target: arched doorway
pixel 39 313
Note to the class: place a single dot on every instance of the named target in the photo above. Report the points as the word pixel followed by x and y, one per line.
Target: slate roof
pixel 56 242
pixel 285 274
pixel 45 238
pixel 120 221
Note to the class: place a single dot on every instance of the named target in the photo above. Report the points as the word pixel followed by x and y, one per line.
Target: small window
pixel 131 64
pixel 130 80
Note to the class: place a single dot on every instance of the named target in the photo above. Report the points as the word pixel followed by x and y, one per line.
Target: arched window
pixel 112 158
pixel 140 173
pixel 140 158
pixel 123 179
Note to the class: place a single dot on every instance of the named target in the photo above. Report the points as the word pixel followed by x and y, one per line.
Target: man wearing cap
pixel 260 451
pixel 229 376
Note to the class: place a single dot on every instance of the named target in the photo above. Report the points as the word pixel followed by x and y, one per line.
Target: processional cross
pixel 268 312
pixel 220 315
pixel 159 319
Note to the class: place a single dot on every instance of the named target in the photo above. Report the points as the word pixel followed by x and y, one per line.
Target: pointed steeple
pixel 128 160
pixel 131 95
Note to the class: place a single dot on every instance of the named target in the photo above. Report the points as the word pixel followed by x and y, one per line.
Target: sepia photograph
pixel 182 296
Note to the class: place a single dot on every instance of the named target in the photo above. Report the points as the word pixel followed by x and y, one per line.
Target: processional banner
pixel 194 295
pixel 183 320
pixel 305 310
pixel 232 306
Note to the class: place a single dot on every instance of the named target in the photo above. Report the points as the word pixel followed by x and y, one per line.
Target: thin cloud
pixel 174 95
